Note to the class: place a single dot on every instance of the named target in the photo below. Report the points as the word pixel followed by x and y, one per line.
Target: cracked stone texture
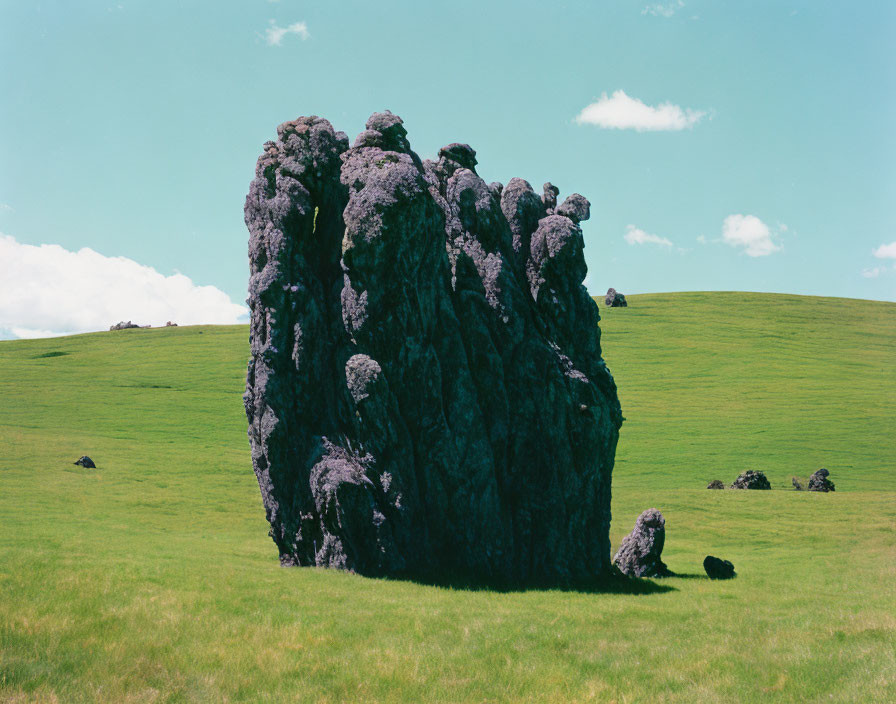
pixel 426 393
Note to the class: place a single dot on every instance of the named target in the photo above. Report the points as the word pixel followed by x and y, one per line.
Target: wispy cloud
pixel 873 272
pixel 750 234
pixel 663 9
pixel 622 112
pixel 49 290
pixel 634 235
pixel 274 34
pixel 6 208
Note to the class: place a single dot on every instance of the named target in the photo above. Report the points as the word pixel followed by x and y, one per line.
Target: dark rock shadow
pixel 684 575
pixel 612 584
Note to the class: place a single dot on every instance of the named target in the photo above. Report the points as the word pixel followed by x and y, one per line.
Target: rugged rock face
pixel 717 568
pixel 425 393
pixel 85 462
pixel 614 299
pixel 639 554
pixel 818 481
pixel 751 480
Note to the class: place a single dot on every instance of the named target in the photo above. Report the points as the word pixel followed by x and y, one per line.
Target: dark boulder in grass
pixel 716 484
pixel 425 394
pixel 85 461
pixel 641 550
pixel 717 568
pixel 614 299
pixel 819 481
pixel 797 484
pixel 751 480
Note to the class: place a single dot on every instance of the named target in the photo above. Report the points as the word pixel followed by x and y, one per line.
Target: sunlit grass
pixel 152 579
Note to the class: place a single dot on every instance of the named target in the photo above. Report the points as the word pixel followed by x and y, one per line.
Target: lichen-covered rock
pixel 751 480
pixel 641 550
pixel 425 393
pixel 717 568
pixel 85 462
pixel 716 484
pixel 614 299
pixel 818 481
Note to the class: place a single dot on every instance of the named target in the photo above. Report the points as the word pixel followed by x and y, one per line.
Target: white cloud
pixel 622 112
pixel 633 235
pixel 874 272
pixel 6 208
pixel 886 251
pixel 660 10
pixel 701 239
pixel 48 290
pixel 749 233
pixel 273 35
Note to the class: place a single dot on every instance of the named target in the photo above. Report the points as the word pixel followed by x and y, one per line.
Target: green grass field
pixel 152 579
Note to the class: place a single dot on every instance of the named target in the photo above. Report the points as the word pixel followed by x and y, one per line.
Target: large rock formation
pixel 426 394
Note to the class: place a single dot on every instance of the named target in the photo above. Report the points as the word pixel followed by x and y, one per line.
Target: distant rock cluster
pixel 123 325
pixel 426 392
pixel 751 479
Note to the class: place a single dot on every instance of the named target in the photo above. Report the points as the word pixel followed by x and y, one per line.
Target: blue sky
pixel 728 146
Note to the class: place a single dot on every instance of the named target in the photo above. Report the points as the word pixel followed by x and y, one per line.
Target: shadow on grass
pixel 611 584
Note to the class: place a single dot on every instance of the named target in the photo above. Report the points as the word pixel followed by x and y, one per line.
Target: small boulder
pixel 123 325
pixel 717 568
pixel 819 481
pixel 85 461
pixel 639 554
pixel 797 484
pixel 751 480
pixel 169 324
pixel 614 299
pixel 716 484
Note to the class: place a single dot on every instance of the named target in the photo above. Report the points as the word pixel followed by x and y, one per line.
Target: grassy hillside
pixel 152 579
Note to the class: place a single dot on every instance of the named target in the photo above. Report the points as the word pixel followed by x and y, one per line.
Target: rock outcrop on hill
pixel 818 481
pixel 614 299
pixel 641 550
pixel 751 480
pixel 425 394
pixel 123 325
